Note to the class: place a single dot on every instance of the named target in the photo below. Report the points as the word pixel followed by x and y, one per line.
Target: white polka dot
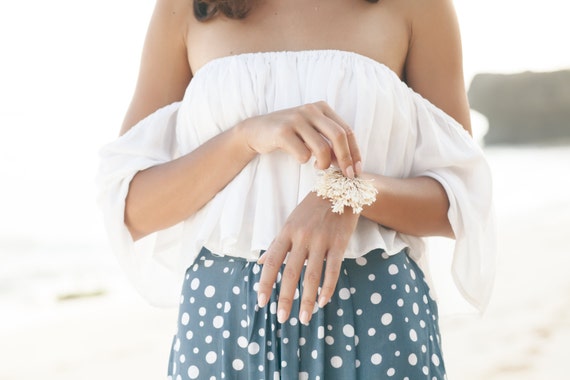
pixel 256 287
pixel 202 311
pixel 397 354
pixel 344 294
pixel 348 330
pixel 285 340
pixel 293 321
pixel 242 342
pixel 348 347
pixel 235 290
pixel 376 359
pixel 375 298
pixel 209 291
pixel 422 324
pixel 273 307
pixel 208 339
pixel 393 269
pixel 193 372
pixel 391 372
pixel 359 312
pixel 185 319
pixel 237 364
pixel 371 331
pixel 227 307
pixel 314 354
pixel 392 337
pixel 321 332
pixel 413 274
pixel 413 335
pixel 253 348
pixel 394 286
pixel 283 363
pixel 407 288
pixel 270 356
pixel 400 302
pixel 261 368
pixel 226 334
pixel 340 312
pixel 425 370
pixel 208 263
pixel 336 361
pixel 211 357
pixel 435 359
pixel 296 295
pixel 330 340
pixel 255 269
pixel 182 358
pixel 352 290
pixel 189 334
pixel 361 261
pixel 357 363
pixel 415 308
pixel 218 322
pixel 303 376
pixel 425 299
pixel 424 348
pixel 177 345
pixel 386 319
pixel 192 299
pixel 413 359
pixel 244 324
pixel 371 277
pixel 194 284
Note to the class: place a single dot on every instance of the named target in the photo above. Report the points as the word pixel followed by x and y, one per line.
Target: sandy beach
pixel 522 335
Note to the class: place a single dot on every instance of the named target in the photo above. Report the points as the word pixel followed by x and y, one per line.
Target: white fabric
pixel 400 134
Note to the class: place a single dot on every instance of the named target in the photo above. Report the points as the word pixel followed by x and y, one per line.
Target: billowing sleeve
pixel 446 152
pixel 148 262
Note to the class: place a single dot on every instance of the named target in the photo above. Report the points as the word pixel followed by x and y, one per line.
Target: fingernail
pixel 262 300
pixel 322 301
pixel 304 318
pixel 350 172
pixel 281 316
pixel 358 167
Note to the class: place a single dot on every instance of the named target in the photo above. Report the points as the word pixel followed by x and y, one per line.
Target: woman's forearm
pixel 166 194
pixel 415 206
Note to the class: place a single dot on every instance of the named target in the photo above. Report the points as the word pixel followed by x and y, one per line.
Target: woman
pixel 253 98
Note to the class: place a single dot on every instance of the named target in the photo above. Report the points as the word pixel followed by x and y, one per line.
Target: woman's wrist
pixel 241 133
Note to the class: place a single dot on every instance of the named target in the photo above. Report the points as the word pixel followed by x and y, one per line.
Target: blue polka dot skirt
pixel 380 324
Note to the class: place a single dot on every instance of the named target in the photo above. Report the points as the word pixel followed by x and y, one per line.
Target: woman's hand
pixel 312 233
pixel 308 130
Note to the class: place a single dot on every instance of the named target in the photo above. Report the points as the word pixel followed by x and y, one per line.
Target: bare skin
pixel 418 40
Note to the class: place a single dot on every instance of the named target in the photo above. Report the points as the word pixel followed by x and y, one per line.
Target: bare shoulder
pixel 164 72
pixel 434 64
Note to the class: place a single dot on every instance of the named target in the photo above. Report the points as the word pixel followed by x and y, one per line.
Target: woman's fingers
pixel 311 282
pixel 338 133
pixel 289 282
pixel 332 272
pixel 355 160
pixel 271 260
pixel 308 130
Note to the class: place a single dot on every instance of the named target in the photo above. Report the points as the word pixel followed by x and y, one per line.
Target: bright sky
pixel 68 68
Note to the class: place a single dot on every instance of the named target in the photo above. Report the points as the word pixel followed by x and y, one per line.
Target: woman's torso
pixel 380 30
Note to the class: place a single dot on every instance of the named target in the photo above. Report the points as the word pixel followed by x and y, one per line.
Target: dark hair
pixel 236 9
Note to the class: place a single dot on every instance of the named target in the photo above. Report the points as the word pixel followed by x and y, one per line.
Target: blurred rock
pixel 525 108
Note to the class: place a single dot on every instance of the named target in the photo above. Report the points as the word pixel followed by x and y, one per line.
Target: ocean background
pixel 67 73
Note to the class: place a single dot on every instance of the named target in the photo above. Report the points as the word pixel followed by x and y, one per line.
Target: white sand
pixel 523 335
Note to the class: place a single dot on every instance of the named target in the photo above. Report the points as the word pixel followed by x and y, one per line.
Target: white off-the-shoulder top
pixel 400 134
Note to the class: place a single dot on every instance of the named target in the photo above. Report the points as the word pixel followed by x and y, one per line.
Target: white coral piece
pixel 342 191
